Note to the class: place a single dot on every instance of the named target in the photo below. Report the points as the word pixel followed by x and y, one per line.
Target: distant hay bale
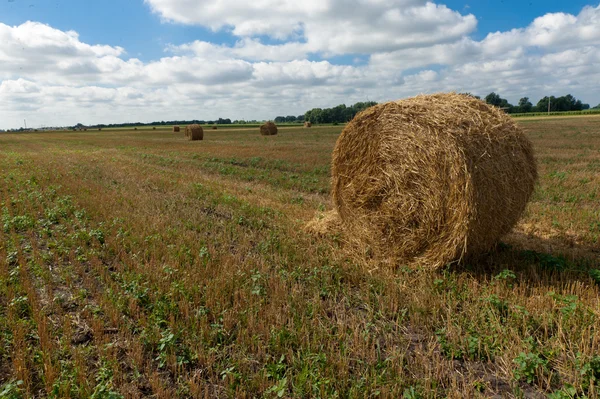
pixel 194 132
pixel 433 179
pixel 307 124
pixel 268 129
pixel 153 127
pixel 214 127
pixel 135 128
pixel 99 129
pixel 85 129
pixel 176 129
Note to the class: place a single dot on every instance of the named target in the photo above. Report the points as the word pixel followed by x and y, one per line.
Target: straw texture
pixel 433 179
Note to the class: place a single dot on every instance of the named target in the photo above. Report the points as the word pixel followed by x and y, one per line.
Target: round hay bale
pixel 176 129
pixel 194 132
pixel 135 128
pixel 268 129
pixel 307 124
pixel 153 127
pixel 214 128
pixel 433 179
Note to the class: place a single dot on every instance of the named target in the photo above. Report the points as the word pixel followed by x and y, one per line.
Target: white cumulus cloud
pixel 328 26
pixel 396 48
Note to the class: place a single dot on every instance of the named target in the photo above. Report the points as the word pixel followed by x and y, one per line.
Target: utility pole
pixel 549 105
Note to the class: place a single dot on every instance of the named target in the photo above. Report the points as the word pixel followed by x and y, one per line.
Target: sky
pixel 64 62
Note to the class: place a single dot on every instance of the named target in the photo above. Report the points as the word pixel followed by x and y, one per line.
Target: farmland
pixel 137 264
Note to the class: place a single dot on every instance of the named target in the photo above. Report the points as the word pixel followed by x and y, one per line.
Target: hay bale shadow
pixel 538 257
pixel 532 254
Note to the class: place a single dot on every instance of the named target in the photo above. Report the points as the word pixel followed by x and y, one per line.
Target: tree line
pixel 289 119
pixel 343 113
pixel 220 121
pixel 557 104
pixel 338 114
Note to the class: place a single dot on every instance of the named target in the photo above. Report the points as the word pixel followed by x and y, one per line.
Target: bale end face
pixel 268 129
pixel 176 129
pixel 433 179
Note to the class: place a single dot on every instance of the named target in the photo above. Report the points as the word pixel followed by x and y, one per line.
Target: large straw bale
pixel 194 132
pixel 268 129
pixel 432 179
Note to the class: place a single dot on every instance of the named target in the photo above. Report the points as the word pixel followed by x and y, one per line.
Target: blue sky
pixel 129 56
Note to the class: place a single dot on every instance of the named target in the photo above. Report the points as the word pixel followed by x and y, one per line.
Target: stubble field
pixel 137 264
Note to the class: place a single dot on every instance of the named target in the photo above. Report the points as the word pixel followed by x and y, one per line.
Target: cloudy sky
pixel 111 61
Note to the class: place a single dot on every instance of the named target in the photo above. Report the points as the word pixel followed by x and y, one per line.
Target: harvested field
pixel 138 265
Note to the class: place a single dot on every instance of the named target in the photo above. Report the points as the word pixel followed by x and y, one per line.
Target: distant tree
pixel 542 105
pixel 525 105
pixel 338 114
pixel 570 103
pixel 290 119
pixel 280 119
pixel 563 103
pixel 361 106
pixel 497 101
pixel 493 99
pixel 300 118
pixel 585 106
pixel 314 115
pixel 506 105
pixel 327 116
